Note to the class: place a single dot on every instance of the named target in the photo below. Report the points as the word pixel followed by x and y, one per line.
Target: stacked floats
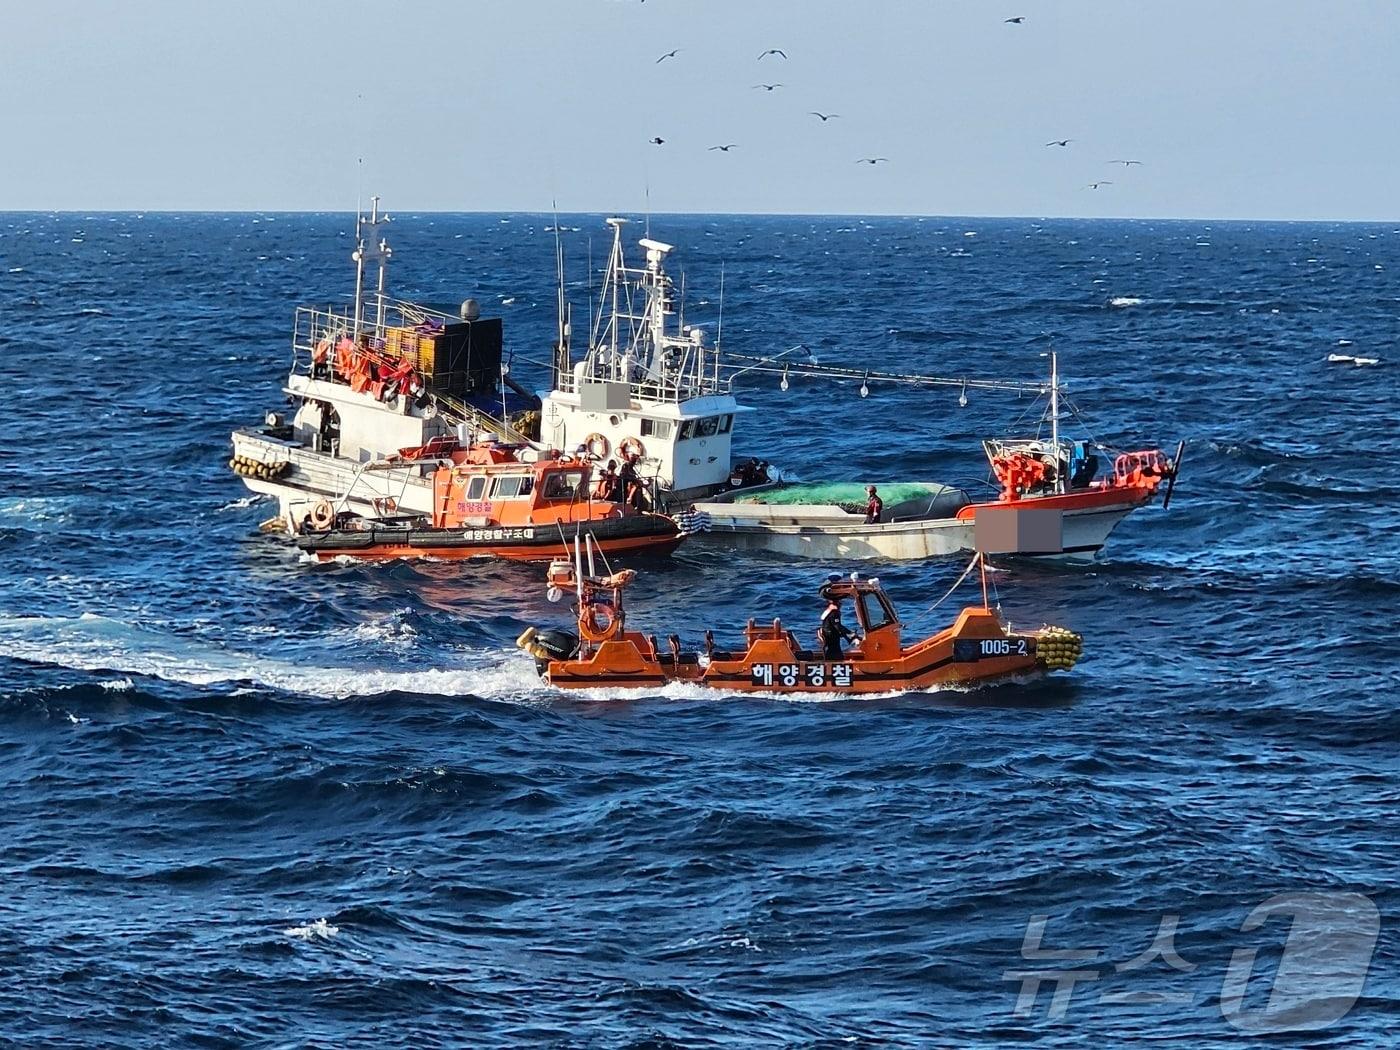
pixel 247 467
pixel 1060 649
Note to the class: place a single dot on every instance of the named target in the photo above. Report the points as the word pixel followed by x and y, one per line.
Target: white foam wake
pixel 246 501
pixel 35 510
pixel 1125 300
pixel 320 930
pixel 98 643
pixel 101 644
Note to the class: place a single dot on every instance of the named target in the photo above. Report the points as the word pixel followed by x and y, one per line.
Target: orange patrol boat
pixel 489 503
pixel 977 648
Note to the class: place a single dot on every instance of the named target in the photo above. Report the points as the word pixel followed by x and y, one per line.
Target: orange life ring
pixel 597 446
pixel 598 622
pixel 628 446
pixel 322 515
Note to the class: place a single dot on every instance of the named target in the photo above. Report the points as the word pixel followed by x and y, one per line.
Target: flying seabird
pixel 1060 142
pixel 657 141
pixel 773 51
pixel 669 54
pixel 824 117
pixel 724 149
pixel 1101 182
pixel 1016 21
pixel 1125 163
pixel 873 160
pixel 767 87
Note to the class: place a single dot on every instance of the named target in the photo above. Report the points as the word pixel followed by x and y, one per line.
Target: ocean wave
pixel 394 630
pixel 100 644
pixel 319 930
pixel 37 510
pixel 245 502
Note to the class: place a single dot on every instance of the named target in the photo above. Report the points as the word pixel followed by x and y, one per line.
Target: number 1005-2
pixel 1003 646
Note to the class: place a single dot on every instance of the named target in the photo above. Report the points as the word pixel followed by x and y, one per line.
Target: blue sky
pixel 1237 109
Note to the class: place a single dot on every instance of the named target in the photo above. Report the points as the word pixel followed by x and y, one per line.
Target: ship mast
pixel 614 274
pixel 562 363
pixel 1055 418
pixel 380 253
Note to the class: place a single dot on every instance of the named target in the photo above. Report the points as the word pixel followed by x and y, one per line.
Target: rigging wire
pixel 956 584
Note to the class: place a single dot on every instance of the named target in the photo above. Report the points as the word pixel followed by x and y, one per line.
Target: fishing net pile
pixel 849 495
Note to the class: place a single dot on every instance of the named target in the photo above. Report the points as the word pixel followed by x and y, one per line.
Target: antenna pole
pixel 614 264
pixel 561 347
pixel 359 256
pixel 382 253
pixel 719 328
pixel 1055 417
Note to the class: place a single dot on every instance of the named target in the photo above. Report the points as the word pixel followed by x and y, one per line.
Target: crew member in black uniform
pixel 832 631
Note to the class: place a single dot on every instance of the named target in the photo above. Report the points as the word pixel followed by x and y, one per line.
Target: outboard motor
pixel 548 644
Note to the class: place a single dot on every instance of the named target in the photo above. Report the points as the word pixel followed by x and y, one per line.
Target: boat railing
pixel 457 411
pixel 313 324
pixel 669 390
pixel 324 327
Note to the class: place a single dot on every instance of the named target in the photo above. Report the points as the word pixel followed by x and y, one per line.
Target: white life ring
pixel 597 446
pixel 629 446
pixel 322 515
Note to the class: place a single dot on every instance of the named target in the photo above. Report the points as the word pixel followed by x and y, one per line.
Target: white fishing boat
pixel 384 391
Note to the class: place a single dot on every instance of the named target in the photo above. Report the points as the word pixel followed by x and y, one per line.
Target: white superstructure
pixel 644 384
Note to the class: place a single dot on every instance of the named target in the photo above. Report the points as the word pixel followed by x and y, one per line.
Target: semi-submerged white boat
pixel 1052 502
pixel 816 521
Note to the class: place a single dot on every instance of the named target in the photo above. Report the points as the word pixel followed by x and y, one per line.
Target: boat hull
pixel 312 477
pixel 1084 533
pixel 976 650
pixel 644 534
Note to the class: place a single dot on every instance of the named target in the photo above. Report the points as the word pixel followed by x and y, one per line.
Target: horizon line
pixel 704 214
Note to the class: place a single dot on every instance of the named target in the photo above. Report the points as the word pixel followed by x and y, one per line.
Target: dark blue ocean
pixel 251 801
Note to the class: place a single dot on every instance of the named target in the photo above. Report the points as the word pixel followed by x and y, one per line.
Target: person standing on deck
pixel 631 483
pixel 874 507
pixel 605 488
pixel 832 632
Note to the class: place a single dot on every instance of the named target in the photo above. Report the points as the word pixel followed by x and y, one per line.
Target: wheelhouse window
pixel 657 428
pixel 876 611
pixel 512 486
pixel 687 430
pixel 565 484
pixel 725 423
pixel 476 487
pixel 706 427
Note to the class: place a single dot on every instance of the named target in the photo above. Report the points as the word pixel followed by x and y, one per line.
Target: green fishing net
pixel 842 493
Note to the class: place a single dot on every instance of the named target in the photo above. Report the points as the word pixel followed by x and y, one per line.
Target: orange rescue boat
pixel 490 503
pixel 979 647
